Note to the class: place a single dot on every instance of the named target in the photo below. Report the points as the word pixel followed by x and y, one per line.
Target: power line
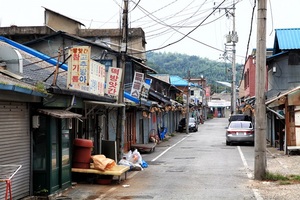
pixel 187 35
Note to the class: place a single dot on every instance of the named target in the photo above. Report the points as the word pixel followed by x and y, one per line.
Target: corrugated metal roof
pixel 178 81
pixel 288 38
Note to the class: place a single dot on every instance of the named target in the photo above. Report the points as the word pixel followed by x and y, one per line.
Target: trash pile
pixel 134 160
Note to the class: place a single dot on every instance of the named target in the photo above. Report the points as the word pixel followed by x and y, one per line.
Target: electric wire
pixel 187 35
pixel 249 38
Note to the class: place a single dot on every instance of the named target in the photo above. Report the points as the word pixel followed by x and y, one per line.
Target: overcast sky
pixel 192 27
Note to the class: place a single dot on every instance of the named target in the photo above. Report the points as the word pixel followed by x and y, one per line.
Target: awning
pixel 293 96
pixel 276 113
pixel 158 96
pixel 63 114
pixel 131 98
pixel 149 103
pixel 105 103
pixel 175 103
pixel 95 104
pixel 144 66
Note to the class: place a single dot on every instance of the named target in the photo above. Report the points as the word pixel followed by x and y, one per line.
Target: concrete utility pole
pixel 187 118
pixel 234 40
pixel 121 110
pixel 260 163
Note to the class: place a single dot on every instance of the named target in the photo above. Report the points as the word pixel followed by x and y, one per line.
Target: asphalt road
pixel 188 166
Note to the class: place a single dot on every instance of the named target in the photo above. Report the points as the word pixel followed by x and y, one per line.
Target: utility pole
pixel 121 110
pixel 260 163
pixel 234 40
pixel 187 118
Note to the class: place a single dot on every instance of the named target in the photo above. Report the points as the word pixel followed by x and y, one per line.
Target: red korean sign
pixel 78 68
pixel 113 81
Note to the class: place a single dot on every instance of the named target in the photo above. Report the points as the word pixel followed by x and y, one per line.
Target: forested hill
pixel 180 64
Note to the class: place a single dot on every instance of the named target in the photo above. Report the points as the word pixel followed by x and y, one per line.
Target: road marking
pixel 165 151
pixel 249 174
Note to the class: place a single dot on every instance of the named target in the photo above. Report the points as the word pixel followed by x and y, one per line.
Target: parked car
pixel 240 131
pixel 239 117
pixel 193 125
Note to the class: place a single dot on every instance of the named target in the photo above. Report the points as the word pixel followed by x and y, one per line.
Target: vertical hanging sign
pixel 146 88
pixel 78 68
pixel 97 78
pixel 137 84
pixel 113 81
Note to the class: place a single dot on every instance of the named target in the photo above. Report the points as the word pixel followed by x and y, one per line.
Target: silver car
pixel 240 131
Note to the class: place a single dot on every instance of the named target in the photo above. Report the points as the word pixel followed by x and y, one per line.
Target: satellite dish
pixel 12 58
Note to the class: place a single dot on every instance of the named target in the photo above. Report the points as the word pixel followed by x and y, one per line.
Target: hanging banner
pixel 113 81
pixel 137 84
pixel 97 78
pixel 78 68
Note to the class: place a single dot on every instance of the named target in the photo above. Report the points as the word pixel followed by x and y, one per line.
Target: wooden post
pixel 56 69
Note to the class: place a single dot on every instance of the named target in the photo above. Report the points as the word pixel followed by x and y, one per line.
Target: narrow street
pixel 188 166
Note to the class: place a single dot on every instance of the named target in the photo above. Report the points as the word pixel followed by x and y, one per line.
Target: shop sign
pixel 78 68
pixel 97 78
pixel 113 81
pixel 146 88
pixel 137 84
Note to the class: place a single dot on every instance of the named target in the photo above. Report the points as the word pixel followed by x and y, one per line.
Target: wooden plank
pixel 117 170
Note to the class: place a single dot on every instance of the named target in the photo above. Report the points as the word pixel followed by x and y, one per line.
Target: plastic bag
pixel 136 157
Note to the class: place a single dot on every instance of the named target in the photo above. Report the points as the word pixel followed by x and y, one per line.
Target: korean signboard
pixel 113 81
pixel 146 88
pixel 137 84
pixel 97 78
pixel 78 68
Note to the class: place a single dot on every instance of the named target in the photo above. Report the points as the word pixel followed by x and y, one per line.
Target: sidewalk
pixel 278 162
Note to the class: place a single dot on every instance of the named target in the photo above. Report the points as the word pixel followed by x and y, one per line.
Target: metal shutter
pixel 15 146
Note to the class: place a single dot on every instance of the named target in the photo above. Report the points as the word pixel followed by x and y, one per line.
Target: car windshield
pixel 240 124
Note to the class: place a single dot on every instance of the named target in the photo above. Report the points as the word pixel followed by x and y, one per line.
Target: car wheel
pixel 227 143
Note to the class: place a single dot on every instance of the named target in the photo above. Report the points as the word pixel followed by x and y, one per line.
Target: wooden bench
pixel 292 148
pixel 117 170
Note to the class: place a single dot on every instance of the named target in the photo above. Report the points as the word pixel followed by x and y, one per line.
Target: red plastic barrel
pixel 82 149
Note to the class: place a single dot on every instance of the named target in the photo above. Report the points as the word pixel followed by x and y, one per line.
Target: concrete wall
pixel 284 78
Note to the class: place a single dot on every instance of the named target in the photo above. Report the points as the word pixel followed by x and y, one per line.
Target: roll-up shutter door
pixel 15 146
